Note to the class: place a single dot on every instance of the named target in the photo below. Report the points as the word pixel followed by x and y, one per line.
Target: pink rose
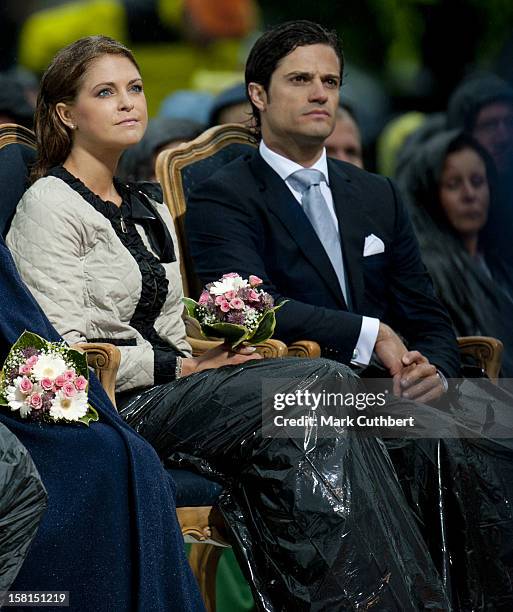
pixel 31 361
pixel 81 383
pixel 237 304
pixel 25 369
pixel 224 306
pixel 70 374
pixel 60 380
pixel 26 385
pixel 230 275
pixel 35 400
pixel 229 295
pixel 253 296
pixel 46 383
pixel 220 299
pixel 204 297
pixel 255 280
pixel 68 388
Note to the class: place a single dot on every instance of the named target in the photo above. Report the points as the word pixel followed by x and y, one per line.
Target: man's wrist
pixel 384 332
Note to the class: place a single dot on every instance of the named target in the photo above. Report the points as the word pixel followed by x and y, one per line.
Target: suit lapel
pixel 285 207
pixel 353 223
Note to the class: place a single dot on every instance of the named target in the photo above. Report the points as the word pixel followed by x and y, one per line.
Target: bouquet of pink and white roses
pixel 235 309
pixel 46 382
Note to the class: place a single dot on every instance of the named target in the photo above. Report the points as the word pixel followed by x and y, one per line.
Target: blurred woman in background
pixel 449 184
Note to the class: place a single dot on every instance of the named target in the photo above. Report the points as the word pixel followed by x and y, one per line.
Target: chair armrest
pixel 200 346
pixel 202 523
pixel 104 359
pixel 304 348
pixel 487 351
pixel 270 349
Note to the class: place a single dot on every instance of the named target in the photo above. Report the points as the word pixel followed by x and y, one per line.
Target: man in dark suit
pixel 334 240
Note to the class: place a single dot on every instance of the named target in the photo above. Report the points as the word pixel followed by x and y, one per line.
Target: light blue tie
pixel 308 183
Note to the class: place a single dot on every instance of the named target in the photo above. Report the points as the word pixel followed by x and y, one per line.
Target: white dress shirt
pixel 284 168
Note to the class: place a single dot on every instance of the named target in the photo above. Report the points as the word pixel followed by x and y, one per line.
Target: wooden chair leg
pixel 204 559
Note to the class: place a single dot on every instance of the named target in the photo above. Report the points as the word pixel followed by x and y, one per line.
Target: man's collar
pixel 284 167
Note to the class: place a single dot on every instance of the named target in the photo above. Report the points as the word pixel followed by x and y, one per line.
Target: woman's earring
pixel 73 126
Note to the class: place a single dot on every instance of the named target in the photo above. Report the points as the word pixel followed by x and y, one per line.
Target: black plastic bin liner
pixel 22 504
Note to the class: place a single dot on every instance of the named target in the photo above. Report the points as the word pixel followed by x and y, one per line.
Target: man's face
pixel 494 130
pixel 345 142
pixel 299 109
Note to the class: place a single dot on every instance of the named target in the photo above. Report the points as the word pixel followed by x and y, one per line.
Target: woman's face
pixel 110 109
pixel 464 193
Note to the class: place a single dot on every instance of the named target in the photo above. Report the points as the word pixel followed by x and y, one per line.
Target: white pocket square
pixel 373 245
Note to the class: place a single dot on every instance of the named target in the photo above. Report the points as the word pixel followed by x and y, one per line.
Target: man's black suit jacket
pixel 245 219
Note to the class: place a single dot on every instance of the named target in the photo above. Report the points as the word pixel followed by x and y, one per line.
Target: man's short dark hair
pixel 278 42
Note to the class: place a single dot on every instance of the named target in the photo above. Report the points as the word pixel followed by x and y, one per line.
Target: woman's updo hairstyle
pixel 61 83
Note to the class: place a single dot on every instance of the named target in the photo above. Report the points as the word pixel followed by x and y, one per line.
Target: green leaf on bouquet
pixel 90 415
pixel 79 361
pixel 278 306
pixel 241 339
pixel 231 332
pixel 265 329
pixel 3 399
pixel 190 306
pixel 29 340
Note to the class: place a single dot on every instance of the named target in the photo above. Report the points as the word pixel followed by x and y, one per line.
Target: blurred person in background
pixel 231 106
pixel 345 142
pixel 419 130
pixel 187 104
pixel 449 184
pixel 483 106
pixel 393 137
pixel 15 105
pixel 138 163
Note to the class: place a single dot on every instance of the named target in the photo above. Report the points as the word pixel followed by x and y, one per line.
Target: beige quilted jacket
pixel 85 280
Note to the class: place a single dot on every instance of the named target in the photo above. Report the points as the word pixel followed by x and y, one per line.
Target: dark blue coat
pixel 110 534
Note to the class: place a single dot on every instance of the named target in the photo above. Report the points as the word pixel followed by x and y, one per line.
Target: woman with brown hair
pixel 318 519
